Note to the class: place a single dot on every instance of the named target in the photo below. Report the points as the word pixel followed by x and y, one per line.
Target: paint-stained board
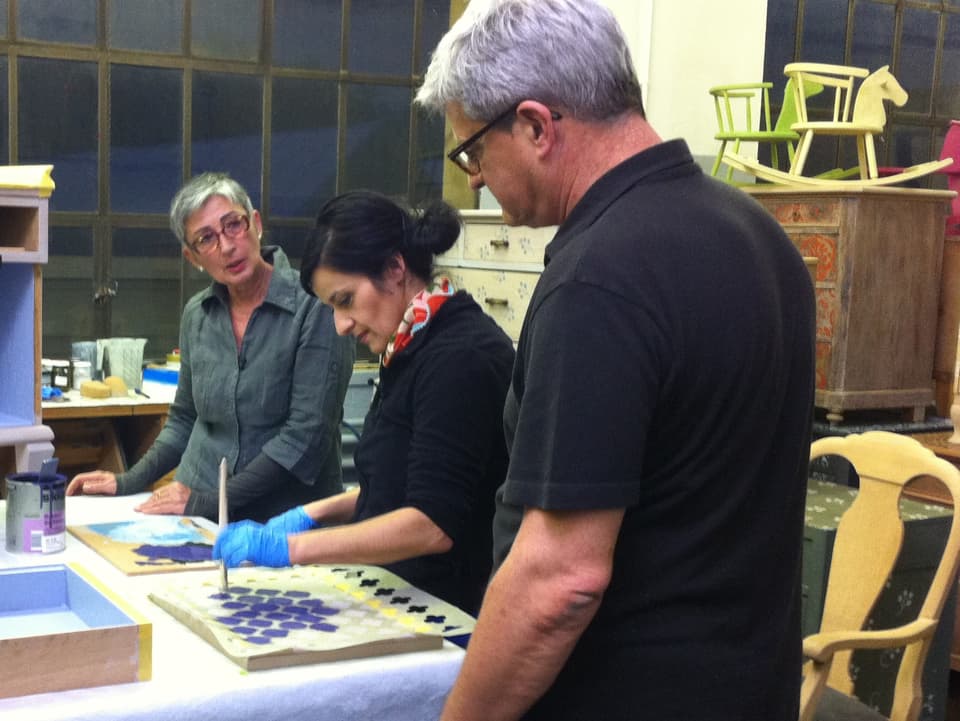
pixel 152 544
pixel 308 614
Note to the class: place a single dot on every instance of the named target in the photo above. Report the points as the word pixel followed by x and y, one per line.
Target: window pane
pixel 51 90
pixel 291 239
pixel 378 128
pixel 429 159
pixel 306 33
pixel 228 127
pixel 948 94
pixel 4 129
pixel 303 154
pixel 3 18
pixel 146 266
pixel 62 21
pixel 782 25
pixel 227 30
pixel 381 37
pixel 436 22
pixel 152 25
pixel 908 146
pixel 824 29
pixel 918 57
pixel 68 309
pixel 146 162
pixel 872 35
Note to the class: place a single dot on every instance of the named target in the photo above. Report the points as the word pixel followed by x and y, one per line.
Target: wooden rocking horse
pixel 865 122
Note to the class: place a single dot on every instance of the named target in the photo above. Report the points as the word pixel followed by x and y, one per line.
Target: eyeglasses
pixel 467 161
pixel 232 225
pixel 461 155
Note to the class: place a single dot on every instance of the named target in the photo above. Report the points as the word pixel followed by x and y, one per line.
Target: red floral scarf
pixel 417 315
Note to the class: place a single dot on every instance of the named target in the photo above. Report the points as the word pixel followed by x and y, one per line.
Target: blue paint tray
pixel 61 629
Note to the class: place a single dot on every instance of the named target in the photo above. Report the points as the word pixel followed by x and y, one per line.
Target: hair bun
pixel 436 227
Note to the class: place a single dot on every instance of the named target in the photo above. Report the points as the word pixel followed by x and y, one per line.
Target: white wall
pixel 694 46
pixel 681 49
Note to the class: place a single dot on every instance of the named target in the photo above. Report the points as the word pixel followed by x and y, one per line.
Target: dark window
pixel 151 25
pixel 61 21
pixel 303 145
pixel 306 33
pixel 377 144
pixel 146 138
pixel 297 99
pixel 227 129
pixel 50 92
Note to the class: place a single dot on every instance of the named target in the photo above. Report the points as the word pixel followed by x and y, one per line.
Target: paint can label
pixel 36 516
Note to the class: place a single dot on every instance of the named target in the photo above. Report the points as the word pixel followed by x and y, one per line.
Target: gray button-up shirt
pixel 281 394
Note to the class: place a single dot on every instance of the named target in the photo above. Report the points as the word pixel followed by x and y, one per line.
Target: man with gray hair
pixel 649 531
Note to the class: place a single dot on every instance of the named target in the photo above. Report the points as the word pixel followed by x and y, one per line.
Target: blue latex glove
pixel 295 520
pixel 251 541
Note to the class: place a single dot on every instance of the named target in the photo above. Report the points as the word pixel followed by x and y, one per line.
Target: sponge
pixel 94 389
pixel 118 389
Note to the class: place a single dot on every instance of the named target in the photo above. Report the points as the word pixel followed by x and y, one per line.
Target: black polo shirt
pixel 666 366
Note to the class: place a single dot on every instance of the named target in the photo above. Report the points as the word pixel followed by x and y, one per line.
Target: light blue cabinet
pixel 24 198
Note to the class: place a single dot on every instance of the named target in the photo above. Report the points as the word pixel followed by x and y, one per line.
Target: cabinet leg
pixel 834 416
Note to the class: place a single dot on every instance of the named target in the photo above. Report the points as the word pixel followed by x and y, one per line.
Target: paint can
pixel 36 513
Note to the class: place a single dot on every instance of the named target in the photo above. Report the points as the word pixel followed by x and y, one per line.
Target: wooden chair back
pixel 867 544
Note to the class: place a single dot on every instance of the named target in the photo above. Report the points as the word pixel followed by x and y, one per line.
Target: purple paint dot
pixel 245 630
pixel 220 596
pixel 228 620
pixel 279 616
pixel 250 599
pixel 328 627
pixel 259 640
pixel 264 607
pixel 296 594
pixel 246 614
pixel 260 623
pixel 275 633
pixel 233 604
pixel 269 592
pixel 292 625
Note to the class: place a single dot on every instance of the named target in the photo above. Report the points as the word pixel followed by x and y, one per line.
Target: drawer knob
pixel 500 243
pixel 496 301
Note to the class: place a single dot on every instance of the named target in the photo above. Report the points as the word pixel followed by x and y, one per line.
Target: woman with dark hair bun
pixel 432 451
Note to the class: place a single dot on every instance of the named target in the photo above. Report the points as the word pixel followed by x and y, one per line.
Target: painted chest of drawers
pixel 878 284
pixel 497 264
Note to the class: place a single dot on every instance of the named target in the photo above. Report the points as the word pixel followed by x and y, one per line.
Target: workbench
pixel 104 433
pixel 192 680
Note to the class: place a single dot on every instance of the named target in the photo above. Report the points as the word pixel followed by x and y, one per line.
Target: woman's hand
pixel 170 499
pixel 94 483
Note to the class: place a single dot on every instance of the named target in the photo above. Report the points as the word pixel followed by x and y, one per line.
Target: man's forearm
pixel 536 608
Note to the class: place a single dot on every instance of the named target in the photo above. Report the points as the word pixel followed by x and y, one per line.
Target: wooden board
pixel 772 175
pixel 308 614
pixel 152 544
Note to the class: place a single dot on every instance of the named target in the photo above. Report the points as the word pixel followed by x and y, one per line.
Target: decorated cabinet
pixel 24 196
pixel 878 285
pixel 497 264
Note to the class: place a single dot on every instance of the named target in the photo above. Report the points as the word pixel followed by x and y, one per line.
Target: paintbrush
pixel 224 586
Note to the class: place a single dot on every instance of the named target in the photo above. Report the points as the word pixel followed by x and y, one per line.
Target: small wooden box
pixel 59 630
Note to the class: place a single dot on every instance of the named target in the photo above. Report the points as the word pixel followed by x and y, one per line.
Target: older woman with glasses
pixel 262 378
pixel 432 452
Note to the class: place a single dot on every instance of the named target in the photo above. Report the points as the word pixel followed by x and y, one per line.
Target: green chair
pixel 737 105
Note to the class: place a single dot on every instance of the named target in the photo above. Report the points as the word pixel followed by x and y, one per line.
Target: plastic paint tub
pixel 36 515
